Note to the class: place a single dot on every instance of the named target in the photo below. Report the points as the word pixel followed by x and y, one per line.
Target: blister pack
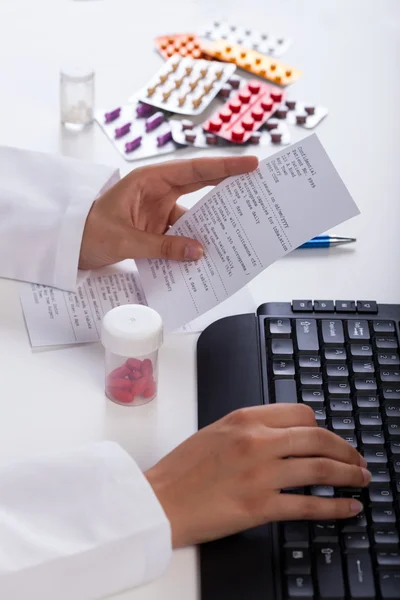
pixel 181 44
pixel 274 45
pixel 252 61
pixel 137 130
pixel 245 111
pixel 186 132
pixel 186 86
pixel 299 113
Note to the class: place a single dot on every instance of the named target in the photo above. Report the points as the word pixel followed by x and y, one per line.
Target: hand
pixel 130 219
pixel 228 477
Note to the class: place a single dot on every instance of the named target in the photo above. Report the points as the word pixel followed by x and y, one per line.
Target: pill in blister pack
pixel 249 38
pixel 299 113
pixel 254 62
pixel 182 44
pixel 186 132
pixel 186 86
pixel 137 130
pixel 245 111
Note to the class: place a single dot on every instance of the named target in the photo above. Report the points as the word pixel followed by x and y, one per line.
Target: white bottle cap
pixel 132 330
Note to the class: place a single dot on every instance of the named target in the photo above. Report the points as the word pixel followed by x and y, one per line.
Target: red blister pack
pixel 246 111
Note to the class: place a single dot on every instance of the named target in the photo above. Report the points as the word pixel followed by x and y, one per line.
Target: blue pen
pixel 325 241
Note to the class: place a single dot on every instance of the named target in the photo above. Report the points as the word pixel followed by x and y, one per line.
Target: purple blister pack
pixel 137 130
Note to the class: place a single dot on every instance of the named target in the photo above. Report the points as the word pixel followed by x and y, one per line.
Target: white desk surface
pixel 349 52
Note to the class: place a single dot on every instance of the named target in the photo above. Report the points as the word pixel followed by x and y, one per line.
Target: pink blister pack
pixel 245 111
pixel 185 132
pixel 186 86
pixel 137 130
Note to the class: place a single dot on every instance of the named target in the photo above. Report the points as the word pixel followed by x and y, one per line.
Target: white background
pixel 349 52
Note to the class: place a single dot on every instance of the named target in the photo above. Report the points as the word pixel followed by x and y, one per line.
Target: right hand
pixel 228 477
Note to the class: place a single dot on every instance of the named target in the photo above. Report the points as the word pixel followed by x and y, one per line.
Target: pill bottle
pixel 131 335
pixel 76 97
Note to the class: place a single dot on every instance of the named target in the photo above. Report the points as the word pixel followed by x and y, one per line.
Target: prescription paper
pixel 245 224
pixel 57 318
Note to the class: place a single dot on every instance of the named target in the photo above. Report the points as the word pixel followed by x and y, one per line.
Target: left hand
pixel 130 220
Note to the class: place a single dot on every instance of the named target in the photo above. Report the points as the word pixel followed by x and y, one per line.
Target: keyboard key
pixel 335 354
pixel 380 495
pixel 357 330
pixel 332 332
pixel 329 572
pixel 365 403
pixel 389 376
pixel 281 348
pixel 310 362
pixel 338 388
pixel 313 398
pixel 394 448
pixel 307 336
pixel 325 532
pixel 340 408
pixel 371 438
pixel 364 384
pixel 324 306
pixel 278 328
pixel 356 541
pixel 300 587
pixel 383 327
pixel 336 371
pixel 310 380
pixel 341 424
pixel 283 369
pixel 357 524
pixel 369 420
pixel 390 392
pixel 295 533
pixel 391 412
pixel 345 306
pixel 285 391
pixel 350 439
pixel 381 516
pixel 389 359
pixel 395 465
pixel 388 559
pixel 393 431
pixel 367 306
pixel 396 484
pixel 375 457
pixel 389 584
pixel 320 416
pixel 297 561
pixel 360 350
pixel 302 306
pixel 362 367
pixel 379 475
pixel 360 576
pixel 385 343
pixel 322 491
pixel 385 537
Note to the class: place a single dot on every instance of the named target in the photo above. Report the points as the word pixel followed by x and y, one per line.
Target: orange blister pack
pixel 254 62
pixel 183 44
pixel 246 111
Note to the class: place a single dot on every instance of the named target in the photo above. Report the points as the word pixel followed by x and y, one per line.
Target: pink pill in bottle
pixel 131 335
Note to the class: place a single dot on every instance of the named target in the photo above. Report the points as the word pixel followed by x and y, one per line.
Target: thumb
pixel 153 245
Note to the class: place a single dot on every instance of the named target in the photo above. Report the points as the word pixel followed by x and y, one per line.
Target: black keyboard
pixel 342 359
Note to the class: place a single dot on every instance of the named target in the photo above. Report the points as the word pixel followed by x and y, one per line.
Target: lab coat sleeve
pixel 44 202
pixel 80 525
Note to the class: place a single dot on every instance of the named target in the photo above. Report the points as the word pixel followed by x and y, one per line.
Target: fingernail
pixel 356 507
pixel 193 252
pixel 363 462
pixel 367 476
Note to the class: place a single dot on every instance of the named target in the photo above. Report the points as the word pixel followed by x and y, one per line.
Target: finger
pixel 299 472
pixel 184 172
pixel 152 245
pixel 198 185
pixel 176 213
pixel 315 441
pixel 297 507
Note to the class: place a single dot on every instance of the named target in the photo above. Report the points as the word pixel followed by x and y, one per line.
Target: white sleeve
pixel 84 524
pixel 44 202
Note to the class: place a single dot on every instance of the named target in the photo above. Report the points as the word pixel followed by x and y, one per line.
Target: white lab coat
pixel 83 524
